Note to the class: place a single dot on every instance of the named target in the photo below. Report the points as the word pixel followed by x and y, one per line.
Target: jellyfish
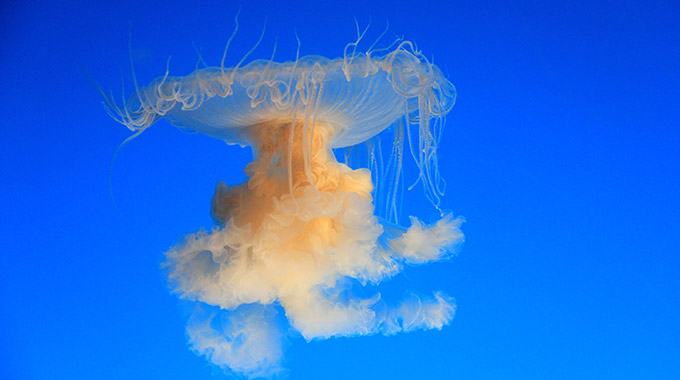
pixel 303 230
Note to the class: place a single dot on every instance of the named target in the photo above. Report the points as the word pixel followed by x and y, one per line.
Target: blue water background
pixel 561 152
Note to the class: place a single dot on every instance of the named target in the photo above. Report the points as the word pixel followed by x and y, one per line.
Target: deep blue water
pixel 561 152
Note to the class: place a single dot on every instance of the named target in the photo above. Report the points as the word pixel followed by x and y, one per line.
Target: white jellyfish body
pixel 302 223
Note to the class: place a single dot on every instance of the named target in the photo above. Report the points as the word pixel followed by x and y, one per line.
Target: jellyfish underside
pixel 299 225
pixel 302 225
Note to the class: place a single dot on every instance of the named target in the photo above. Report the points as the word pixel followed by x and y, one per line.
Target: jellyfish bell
pixel 359 97
pixel 302 223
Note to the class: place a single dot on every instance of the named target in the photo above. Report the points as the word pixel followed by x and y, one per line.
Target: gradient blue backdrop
pixel 562 153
